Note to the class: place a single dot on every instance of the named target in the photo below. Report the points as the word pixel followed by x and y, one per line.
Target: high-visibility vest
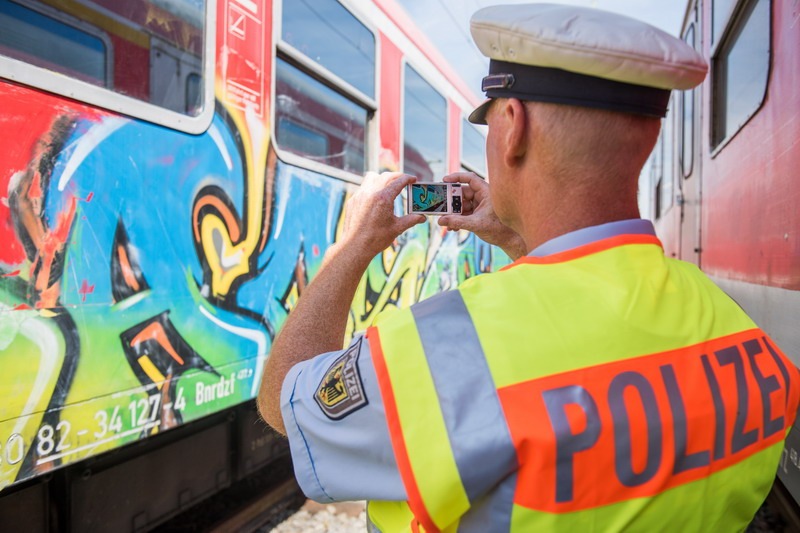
pixel 603 388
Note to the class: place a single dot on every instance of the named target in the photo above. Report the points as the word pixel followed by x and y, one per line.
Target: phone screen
pixel 429 197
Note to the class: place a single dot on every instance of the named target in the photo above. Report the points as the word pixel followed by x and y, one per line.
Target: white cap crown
pixel 589 42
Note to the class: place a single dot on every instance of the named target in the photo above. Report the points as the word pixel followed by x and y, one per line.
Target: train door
pixel 689 183
pixel 667 211
pixel 175 77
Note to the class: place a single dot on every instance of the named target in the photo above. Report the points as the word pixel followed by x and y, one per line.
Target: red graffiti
pixel 51 243
pixel 35 190
pixel 85 289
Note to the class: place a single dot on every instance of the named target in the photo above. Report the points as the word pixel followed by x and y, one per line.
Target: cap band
pixel 497 81
pixel 556 86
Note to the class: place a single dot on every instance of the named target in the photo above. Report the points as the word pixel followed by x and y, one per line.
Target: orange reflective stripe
pixel 622 430
pixel 415 501
pixel 586 249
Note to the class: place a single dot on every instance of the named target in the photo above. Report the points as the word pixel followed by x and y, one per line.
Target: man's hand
pixel 369 220
pixel 317 323
pixel 478 216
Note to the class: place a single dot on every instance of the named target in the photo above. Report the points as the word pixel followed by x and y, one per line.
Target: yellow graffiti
pixel 227 258
pixel 291 297
pixel 394 279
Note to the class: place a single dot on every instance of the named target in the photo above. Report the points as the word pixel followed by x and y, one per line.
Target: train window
pixel 72 49
pixel 172 72
pixel 324 86
pixel 328 34
pixel 657 200
pixel 741 70
pixel 152 62
pixel 194 93
pixel 473 148
pixel 424 128
pixel 720 13
pixel 687 118
pixel 661 170
pixel 656 173
pixel 318 123
pixel 667 163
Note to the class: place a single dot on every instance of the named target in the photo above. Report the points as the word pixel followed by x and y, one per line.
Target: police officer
pixel 592 385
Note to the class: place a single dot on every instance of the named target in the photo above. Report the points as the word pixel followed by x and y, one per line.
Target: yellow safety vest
pixel 635 393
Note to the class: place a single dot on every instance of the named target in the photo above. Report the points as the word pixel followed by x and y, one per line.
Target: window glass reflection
pixel 687 122
pixel 720 12
pixel 35 38
pixel 314 121
pixel 657 173
pixel 473 147
pixel 152 51
pixel 424 127
pixel 741 71
pixel 330 35
pixel 667 164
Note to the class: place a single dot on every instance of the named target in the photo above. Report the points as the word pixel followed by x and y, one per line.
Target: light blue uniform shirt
pixel 351 457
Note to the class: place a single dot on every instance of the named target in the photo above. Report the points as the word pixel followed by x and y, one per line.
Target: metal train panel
pixel 751 193
pixel 144 271
pixel 743 168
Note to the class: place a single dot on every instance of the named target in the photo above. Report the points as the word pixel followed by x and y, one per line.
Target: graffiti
pixel 144 273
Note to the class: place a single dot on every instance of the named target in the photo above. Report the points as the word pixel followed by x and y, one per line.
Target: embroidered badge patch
pixel 341 391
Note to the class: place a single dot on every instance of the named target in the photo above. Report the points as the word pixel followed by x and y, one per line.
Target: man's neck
pixel 554 213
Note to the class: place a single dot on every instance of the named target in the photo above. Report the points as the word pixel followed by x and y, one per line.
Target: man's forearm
pixel 317 325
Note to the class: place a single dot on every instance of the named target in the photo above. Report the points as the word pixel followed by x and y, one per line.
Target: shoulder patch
pixel 341 391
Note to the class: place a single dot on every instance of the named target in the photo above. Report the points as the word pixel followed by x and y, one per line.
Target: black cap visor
pixel 478 115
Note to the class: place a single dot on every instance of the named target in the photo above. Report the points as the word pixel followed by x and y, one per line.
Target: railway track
pixel 346 517
pixel 263 511
pixel 271 501
pixel 268 501
pixel 257 503
pixel 279 511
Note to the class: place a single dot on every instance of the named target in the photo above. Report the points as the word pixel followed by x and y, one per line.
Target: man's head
pixel 535 148
pixel 583 57
pixel 576 95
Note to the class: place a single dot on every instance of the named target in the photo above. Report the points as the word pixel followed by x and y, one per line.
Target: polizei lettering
pixel 651 422
pixel 208 393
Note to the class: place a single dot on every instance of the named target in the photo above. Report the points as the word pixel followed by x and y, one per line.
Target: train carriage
pixel 172 173
pixel 722 185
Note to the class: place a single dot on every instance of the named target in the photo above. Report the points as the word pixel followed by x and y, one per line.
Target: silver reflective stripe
pixel 476 426
pixel 493 512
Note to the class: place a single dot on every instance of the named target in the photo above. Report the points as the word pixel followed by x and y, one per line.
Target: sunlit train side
pixel 171 174
pixel 723 185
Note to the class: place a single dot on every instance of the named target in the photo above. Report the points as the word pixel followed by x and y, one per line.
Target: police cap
pixel 581 56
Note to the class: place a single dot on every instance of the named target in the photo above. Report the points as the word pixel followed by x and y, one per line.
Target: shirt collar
pixel 583 236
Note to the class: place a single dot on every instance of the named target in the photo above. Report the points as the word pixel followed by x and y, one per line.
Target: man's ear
pixel 515 120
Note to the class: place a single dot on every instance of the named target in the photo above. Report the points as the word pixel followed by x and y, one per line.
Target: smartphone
pixel 434 198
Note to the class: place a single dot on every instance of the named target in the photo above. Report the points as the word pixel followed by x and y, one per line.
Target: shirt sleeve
pixel 336 424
